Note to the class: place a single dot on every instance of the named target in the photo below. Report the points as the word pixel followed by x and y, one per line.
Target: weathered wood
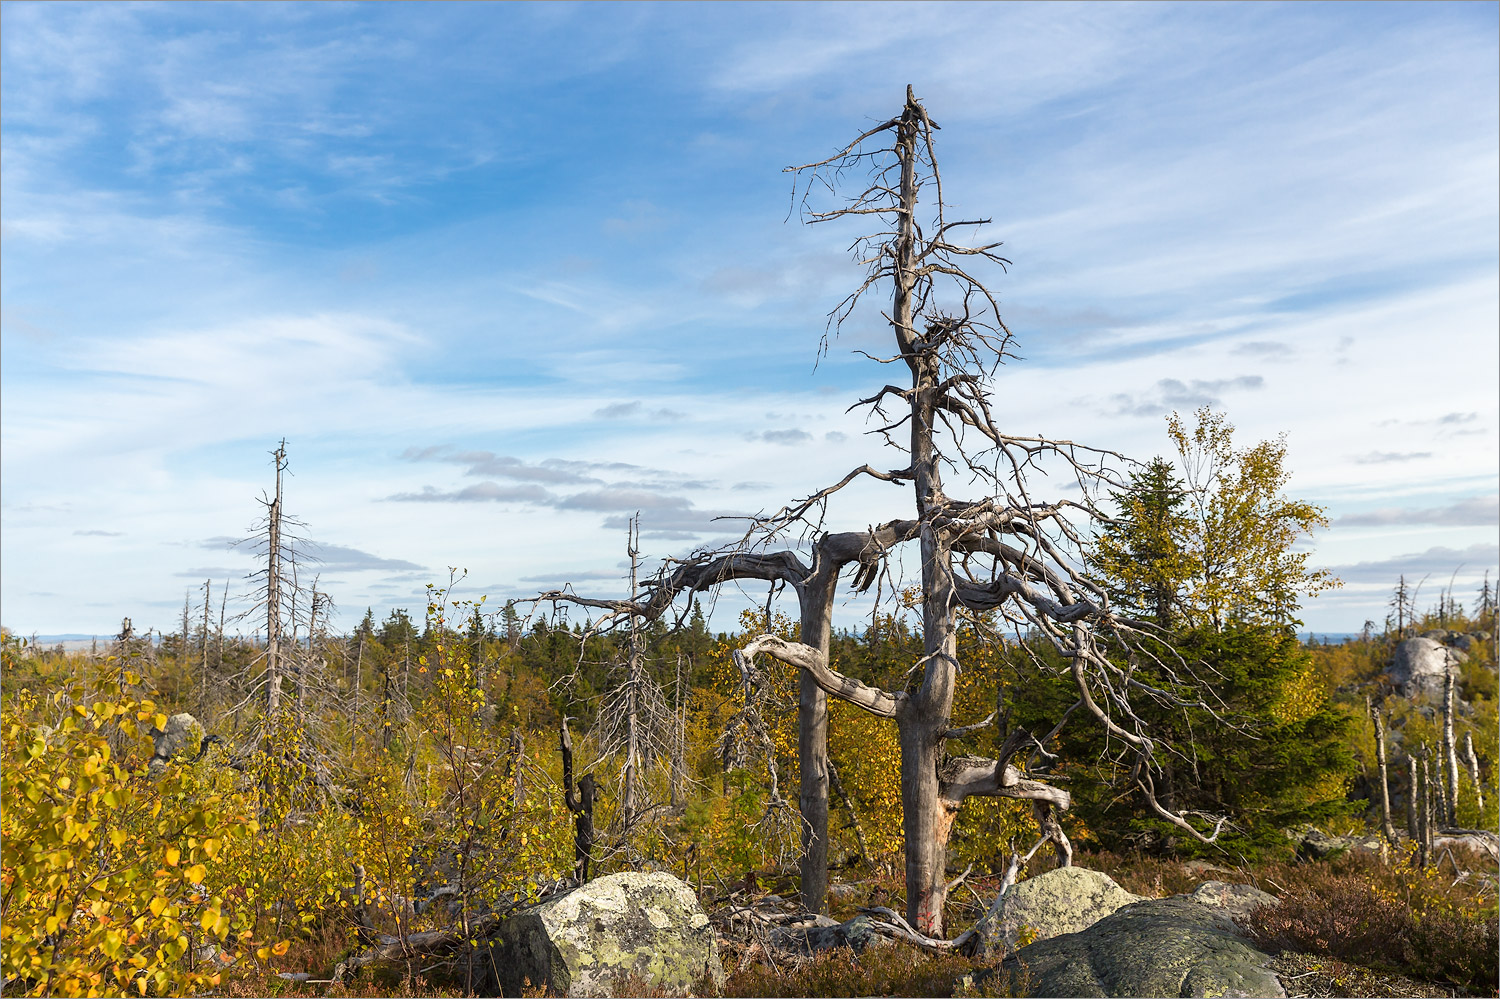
pixel 1386 827
pixel 1473 762
pixel 1449 766
pixel 1413 800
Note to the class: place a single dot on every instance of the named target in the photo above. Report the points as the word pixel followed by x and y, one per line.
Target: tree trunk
pixel 1473 762
pixel 273 595
pixel 1425 851
pixel 517 750
pixel 816 598
pixel 359 672
pixel 203 659
pixel 632 692
pixel 679 738
pixel 1386 827
pixel 1450 750
pixel 1413 799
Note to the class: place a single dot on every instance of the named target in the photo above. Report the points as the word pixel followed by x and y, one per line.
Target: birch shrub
pixel 112 878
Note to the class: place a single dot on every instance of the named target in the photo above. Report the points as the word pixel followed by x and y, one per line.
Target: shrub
pixel 1399 917
pixel 108 873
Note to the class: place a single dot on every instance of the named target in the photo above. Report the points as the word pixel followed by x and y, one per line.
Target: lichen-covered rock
pixel 1237 901
pixel 1159 947
pixel 645 926
pixel 1314 844
pixel 857 934
pixel 1419 664
pixel 182 737
pixel 1064 900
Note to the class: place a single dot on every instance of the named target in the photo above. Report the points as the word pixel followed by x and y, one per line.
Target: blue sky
pixel 502 275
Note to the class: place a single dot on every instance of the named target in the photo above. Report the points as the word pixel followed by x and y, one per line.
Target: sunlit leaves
pixel 95 898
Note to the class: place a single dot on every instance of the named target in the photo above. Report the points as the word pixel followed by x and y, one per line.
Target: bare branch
pixel 835 684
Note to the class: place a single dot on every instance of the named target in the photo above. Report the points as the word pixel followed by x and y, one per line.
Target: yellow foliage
pixel 96 900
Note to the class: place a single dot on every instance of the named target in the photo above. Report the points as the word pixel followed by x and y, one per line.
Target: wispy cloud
pixel 1270 350
pixel 482 492
pixel 99 534
pixel 1436 560
pixel 1475 511
pixel 1388 457
pixel 788 437
pixel 1172 393
pixel 636 410
pixel 622 499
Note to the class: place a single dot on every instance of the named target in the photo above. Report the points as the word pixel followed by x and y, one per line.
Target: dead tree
pixel 1413 800
pixel 1449 767
pixel 1473 761
pixel 1386 827
pixel 273 590
pixel 203 658
pixel 1000 551
pixel 581 803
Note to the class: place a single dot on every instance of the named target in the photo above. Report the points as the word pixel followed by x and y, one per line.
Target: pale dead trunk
pixel 273 596
pixel 1386 827
pixel 359 672
pixel 816 599
pixel 632 692
pixel 182 642
pixel 1473 762
pixel 1425 852
pixel 1450 749
pixel 1413 800
pixel 203 659
pixel 517 753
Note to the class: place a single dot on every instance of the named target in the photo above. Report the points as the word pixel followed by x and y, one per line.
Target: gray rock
pixel 1238 901
pixel 857 934
pixel 1438 634
pixel 1159 947
pixel 645 925
pixel 1419 665
pixel 1482 842
pixel 1314 844
pixel 1064 900
pixel 182 738
pixel 1462 642
pixel 1199 868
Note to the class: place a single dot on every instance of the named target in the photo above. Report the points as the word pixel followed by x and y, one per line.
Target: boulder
pixel 1200 868
pixel 1158 947
pixel 1480 841
pixel 647 926
pixel 183 737
pixel 1064 900
pixel 1419 665
pixel 1314 844
pixel 1237 901
pixel 857 934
